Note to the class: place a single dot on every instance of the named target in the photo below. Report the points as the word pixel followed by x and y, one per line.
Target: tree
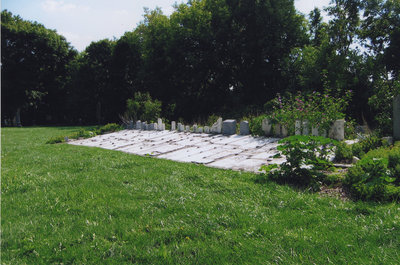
pixel 34 69
pixel 94 82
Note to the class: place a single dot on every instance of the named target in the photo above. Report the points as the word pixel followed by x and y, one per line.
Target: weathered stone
pixel 138 125
pixel 181 128
pixel 244 128
pixel 187 128
pixel 229 127
pixel 277 130
pixel 200 130
pixel 306 127
pixel 284 131
pixel 315 131
pixel 297 127
pixel 266 127
pixel 217 126
pixel 152 126
pixel 337 130
pixel 396 118
pixel 206 129
pixel 173 125
pixel 129 125
pixel 159 124
pixel 194 128
pixel 355 160
pixel 144 125
pixel 163 127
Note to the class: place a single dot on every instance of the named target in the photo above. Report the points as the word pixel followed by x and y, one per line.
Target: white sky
pixel 84 21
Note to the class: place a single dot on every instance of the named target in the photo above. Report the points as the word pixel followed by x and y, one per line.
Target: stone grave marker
pixel 297 127
pixel 244 128
pixel 266 127
pixel 337 130
pixel 138 125
pixel 217 126
pixel 229 127
pixel 306 125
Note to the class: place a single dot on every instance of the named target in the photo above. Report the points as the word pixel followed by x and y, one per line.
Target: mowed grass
pixel 68 204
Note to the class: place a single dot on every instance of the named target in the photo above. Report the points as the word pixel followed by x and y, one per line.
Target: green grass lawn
pixel 69 204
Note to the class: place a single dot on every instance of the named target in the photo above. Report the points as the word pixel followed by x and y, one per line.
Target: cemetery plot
pixel 238 152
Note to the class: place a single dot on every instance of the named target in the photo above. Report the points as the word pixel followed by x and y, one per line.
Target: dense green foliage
pixel 143 108
pixel 34 70
pixel 305 156
pixel 70 204
pixel 376 176
pixel 319 109
pixel 345 153
pixel 223 57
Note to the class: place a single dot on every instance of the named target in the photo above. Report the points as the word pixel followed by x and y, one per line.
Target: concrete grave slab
pixel 237 152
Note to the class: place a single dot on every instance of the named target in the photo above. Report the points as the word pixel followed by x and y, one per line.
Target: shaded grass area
pixel 70 204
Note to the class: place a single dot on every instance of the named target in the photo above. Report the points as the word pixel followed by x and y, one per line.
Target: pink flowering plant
pixel 320 109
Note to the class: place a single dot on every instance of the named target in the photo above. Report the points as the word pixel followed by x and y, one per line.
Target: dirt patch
pixel 338 192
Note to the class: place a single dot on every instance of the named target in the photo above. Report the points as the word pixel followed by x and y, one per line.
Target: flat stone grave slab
pixel 237 152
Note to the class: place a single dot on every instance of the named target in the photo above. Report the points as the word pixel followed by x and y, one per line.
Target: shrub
pixel 56 140
pixel 364 146
pixel 110 127
pixel 320 109
pixel 82 133
pixel 343 153
pixel 376 178
pixel 306 156
pixel 255 124
pixel 143 107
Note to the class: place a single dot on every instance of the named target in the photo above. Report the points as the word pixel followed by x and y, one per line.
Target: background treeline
pixel 226 57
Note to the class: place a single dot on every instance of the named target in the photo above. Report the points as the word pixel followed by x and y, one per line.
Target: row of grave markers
pixel 229 127
pixel 303 128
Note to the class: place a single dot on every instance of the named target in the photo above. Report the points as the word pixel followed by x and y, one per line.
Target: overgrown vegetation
pixel 319 109
pixel 70 204
pixel 376 176
pixel 345 152
pixel 143 107
pixel 306 157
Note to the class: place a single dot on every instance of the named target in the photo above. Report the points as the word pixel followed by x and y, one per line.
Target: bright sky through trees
pixel 82 22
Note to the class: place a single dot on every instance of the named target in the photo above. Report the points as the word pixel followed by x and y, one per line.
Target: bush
pixel 306 156
pixel 56 140
pixel 376 178
pixel 343 153
pixel 142 107
pixel 82 133
pixel 255 124
pixel 320 109
pixel 110 127
pixel 367 144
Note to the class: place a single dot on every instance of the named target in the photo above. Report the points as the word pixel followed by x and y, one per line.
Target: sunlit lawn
pixel 68 204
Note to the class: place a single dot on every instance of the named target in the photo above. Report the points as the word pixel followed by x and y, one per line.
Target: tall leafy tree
pixel 34 69
pixel 94 81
